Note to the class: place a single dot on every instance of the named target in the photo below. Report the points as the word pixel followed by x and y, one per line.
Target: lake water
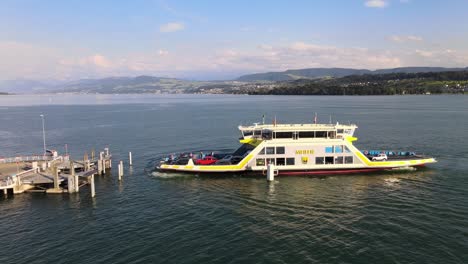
pixel 409 217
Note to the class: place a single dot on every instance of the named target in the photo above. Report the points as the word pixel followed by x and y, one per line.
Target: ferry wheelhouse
pixel 297 149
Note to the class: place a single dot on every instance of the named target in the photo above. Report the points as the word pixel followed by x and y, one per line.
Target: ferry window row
pixel 277 161
pixel 272 150
pixel 300 134
pixel 337 149
pixel 334 160
pixel 305 160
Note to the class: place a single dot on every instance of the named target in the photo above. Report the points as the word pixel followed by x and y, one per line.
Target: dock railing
pixel 25 158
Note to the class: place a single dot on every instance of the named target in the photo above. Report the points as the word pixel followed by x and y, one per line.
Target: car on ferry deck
pixel 208 160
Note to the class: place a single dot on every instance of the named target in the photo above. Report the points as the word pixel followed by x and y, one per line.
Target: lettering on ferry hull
pixel 304 151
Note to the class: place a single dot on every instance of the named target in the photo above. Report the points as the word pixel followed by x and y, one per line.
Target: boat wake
pixel 170 175
pixel 392 180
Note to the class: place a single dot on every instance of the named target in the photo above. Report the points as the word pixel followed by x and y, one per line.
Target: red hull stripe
pixel 328 172
pixel 286 173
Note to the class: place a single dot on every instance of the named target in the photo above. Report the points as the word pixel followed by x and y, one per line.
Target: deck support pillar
pixel 93 190
pixel 71 178
pixel 270 172
pixel 56 178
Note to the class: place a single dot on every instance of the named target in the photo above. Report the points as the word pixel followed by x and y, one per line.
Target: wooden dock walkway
pixel 53 174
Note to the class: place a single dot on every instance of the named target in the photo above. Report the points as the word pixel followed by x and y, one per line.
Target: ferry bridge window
pixel 347 149
pixel 262 151
pixel 321 134
pixel 270 150
pixel 329 160
pixel 247 133
pixel 260 162
pixel 266 135
pixel 340 131
pixel 283 135
pixel 306 134
pixel 338 149
pixel 280 161
pixel 280 150
pixel 339 160
pixel 270 161
pixel 349 159
pixel 290 161
pixel 328 149
pixel 257 132
pixel 331 134
pixel 319 160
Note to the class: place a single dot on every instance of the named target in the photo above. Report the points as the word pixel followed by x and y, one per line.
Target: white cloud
pixel 21 60
pixel 162 52
pixel 171 27
pixel 376 3
pixel 409 38
pixel 100 61
pixel 424 53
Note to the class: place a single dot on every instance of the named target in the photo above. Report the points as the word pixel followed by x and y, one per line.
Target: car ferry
pixel 296 149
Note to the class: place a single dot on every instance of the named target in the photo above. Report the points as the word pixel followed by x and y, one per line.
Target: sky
pixel 212 39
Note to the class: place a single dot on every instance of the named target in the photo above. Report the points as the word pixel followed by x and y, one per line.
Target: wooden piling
pixel 130 162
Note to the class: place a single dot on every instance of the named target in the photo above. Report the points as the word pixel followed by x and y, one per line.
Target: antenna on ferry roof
pixel 315 118
pixel 330 119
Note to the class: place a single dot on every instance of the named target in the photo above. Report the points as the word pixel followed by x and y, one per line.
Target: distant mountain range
pixel 150 84
pixel 314 73
pixel 23 86
pixel 140 84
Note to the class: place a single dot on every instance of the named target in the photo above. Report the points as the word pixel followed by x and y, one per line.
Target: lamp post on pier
pixel 43 133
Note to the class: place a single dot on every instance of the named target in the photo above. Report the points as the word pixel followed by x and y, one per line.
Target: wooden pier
pixel 51 173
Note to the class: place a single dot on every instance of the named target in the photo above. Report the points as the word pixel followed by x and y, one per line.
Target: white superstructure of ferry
pixel 296 149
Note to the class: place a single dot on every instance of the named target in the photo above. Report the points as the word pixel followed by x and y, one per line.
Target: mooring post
pixel 56 179
pixel 130 162
pixel 121 170
pixel 99 166
pixel 71 178
pixel 271 172
pixel 93 190
pixel 103 164
pixel 118 172
pixel 76 180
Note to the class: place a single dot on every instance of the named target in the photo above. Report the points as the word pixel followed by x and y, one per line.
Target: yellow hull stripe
pixel 391 163
pixel 237 167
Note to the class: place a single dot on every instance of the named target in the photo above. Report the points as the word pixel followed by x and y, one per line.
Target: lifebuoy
pixel 366 152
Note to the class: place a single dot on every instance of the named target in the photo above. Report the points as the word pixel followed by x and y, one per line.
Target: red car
pixel 208 160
